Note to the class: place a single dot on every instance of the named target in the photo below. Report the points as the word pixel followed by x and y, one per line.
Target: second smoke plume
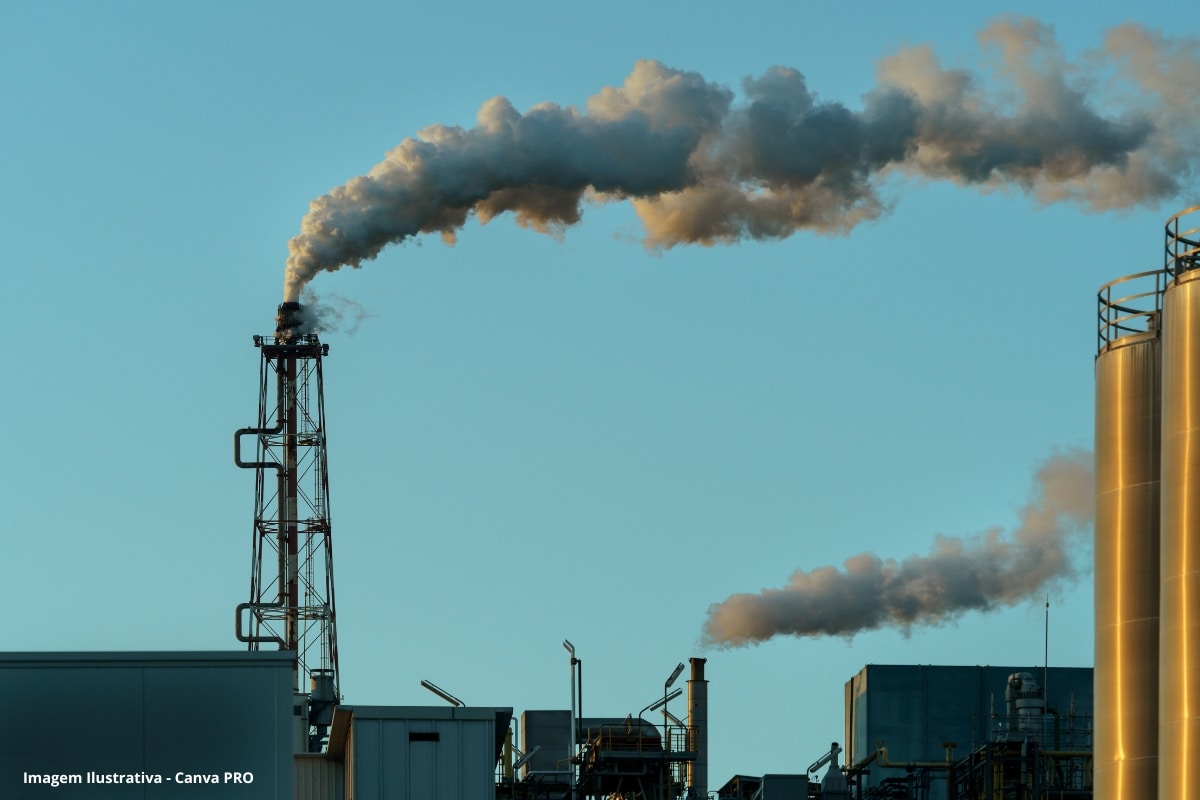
pixel 959 575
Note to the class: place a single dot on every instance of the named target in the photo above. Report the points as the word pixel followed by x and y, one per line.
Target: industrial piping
pixel 281 478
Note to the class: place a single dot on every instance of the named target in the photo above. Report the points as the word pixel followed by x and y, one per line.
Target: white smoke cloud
pixel 976 573
pixel 702 166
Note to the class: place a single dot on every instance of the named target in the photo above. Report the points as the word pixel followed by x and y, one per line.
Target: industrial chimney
pixel 291 602
pixel 697 726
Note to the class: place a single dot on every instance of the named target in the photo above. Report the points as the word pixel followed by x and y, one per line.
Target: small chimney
pixel 698 731
pixel 289 321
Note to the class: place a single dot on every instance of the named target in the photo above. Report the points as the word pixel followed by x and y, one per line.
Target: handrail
pixel 1134 311
pixel 1182 246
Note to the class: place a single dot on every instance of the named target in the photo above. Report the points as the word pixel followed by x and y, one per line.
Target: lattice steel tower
pixel 291 583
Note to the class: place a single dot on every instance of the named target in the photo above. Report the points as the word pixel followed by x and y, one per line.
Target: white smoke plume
pixel 701 166
pixel 977 573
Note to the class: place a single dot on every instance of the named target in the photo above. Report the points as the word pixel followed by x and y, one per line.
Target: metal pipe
pixel 243 637
pixel 657 704
pixel 281 488
pixel 830 755
pixel 277 428
pixel 508 756
pixel 697 727
pixel 288 506
pixel 574 738
pixel 442 693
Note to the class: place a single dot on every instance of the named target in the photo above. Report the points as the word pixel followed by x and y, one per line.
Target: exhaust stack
pixel 290 321
pixel 291 602
pixel 697 769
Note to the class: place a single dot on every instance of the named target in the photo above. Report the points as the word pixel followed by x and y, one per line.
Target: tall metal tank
pixel 1128 390
pixel 1179 640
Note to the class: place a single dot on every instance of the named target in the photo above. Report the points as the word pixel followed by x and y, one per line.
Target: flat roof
pixel 425 712
pixel 165 658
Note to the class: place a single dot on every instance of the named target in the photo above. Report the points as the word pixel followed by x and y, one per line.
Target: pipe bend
pixel 241 637
pixel 237 448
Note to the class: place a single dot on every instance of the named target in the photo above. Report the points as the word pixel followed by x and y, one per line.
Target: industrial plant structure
pixel 1147 573
pixel 291 604
pixel 271 723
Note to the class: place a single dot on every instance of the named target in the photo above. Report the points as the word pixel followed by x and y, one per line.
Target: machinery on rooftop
pixel 291 604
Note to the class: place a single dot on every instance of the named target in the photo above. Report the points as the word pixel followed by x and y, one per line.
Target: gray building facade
pixel 153 726
pixel 913 710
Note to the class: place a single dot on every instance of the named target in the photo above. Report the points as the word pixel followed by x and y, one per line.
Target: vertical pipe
pixel 574 732
pixel 1129 371
pixel 508 756
pixel 698 728
pixel 573 738
pixel 1046 666
pixel 288 506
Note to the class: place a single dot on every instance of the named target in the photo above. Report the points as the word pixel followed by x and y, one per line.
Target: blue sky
pixel 531 437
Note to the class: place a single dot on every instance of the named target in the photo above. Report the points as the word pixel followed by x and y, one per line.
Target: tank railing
pixel 1132 313
pixel 1183 245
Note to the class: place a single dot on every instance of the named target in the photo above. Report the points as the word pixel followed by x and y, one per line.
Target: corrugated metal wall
pixel 423 753
pixel 318 778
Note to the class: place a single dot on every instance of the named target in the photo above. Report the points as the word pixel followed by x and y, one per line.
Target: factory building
pixel 940 732
pixel 270 723
pixel 227 725
pixel 155 725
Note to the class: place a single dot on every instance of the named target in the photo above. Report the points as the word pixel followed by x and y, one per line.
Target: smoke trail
pixel 958 575
pixel 332 312
pixel 699 167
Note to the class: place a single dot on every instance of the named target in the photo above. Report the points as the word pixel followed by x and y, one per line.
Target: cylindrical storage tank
pixel 1128 392
pixel 1179 641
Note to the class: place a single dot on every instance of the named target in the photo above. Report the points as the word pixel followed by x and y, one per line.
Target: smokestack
pixel 290 321
pixel 701 166
pixel 697 769
pixel 959 575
